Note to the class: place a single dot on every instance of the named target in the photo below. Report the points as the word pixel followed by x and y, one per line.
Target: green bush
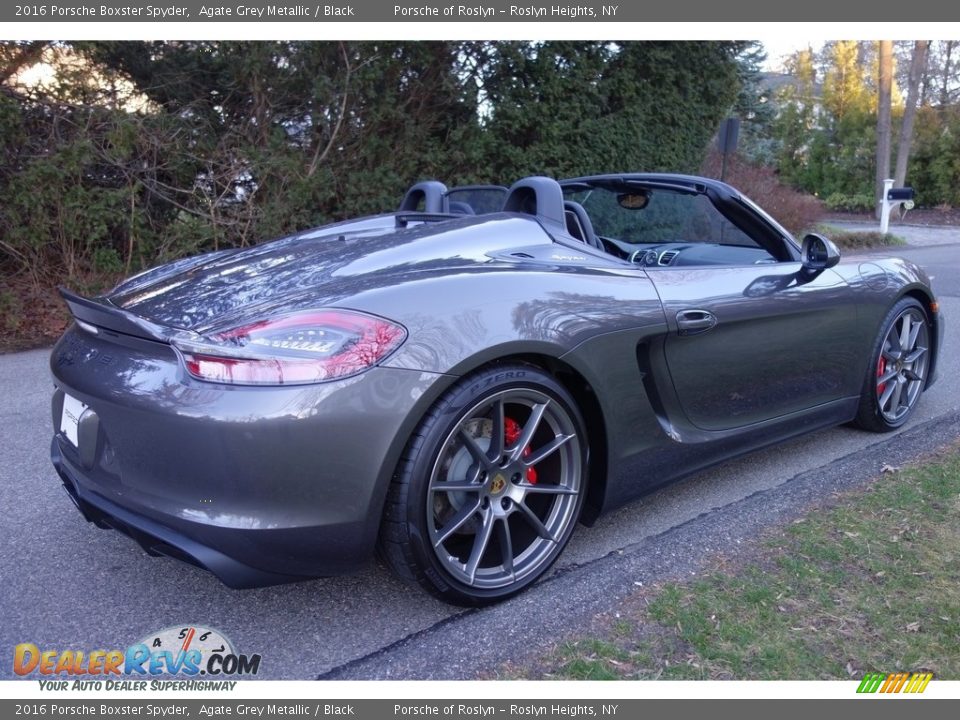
pixel 849 203
pixel 860 239
pixel 10 310
pixel 237 142
pixel 107 260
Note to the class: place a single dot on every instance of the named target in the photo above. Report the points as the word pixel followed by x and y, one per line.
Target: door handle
pixel 691 322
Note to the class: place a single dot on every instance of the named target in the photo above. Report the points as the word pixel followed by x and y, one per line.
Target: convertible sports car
pixel 458 383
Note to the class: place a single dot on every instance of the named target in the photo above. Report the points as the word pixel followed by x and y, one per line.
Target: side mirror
pixel 817 253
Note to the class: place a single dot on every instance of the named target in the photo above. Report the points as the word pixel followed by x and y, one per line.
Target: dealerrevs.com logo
pixel 186 651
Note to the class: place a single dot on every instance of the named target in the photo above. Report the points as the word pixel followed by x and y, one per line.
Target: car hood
pixel 321 267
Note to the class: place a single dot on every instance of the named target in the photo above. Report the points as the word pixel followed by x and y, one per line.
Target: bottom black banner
pixel 785 709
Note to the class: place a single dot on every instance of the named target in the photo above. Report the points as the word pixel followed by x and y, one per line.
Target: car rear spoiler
pixel 96 315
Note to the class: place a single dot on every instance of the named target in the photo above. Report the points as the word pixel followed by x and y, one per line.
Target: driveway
pixel 915 235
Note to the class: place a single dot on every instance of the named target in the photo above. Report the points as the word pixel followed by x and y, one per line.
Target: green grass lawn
pixel 869 584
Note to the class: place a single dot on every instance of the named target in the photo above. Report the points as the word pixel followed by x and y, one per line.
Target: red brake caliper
pixel 511 433
pixel 881 369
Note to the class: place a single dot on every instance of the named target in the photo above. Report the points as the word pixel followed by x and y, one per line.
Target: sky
pixel 779 49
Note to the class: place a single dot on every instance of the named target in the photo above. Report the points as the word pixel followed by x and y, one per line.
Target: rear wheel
pixel 490 488
pixel 898 370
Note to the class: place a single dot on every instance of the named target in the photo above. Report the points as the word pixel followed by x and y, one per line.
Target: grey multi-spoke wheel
pixel 898 372
pixel 490 489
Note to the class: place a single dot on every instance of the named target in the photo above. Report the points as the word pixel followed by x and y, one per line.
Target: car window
pixel 658 215
pixel 479 199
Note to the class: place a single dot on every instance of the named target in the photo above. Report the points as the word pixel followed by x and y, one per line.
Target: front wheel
pixel 490 488
pixel 898 370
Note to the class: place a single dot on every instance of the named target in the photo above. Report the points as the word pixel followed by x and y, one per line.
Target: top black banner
pixel 479 11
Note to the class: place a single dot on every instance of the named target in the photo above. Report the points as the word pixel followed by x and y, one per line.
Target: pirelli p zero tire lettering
pixel 489 489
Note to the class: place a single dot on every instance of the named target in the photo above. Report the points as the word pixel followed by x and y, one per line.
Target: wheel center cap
pixel 498 483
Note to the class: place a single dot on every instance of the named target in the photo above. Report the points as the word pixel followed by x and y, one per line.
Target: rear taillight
pixel 307 347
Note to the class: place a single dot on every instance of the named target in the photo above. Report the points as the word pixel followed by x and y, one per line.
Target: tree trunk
pixel 917 64
pixel 945 78
pixel 885 90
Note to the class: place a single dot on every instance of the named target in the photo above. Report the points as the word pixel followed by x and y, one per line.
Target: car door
pixel 755 342
pixel 753 335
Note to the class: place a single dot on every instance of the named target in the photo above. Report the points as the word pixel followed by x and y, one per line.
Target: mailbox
pixel 904 193
pixel 900 198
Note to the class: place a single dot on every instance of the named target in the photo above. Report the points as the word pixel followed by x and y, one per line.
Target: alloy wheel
pixel 902 365
pixel 503 491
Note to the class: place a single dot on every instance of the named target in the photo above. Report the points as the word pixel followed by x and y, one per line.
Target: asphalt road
pixel 65 584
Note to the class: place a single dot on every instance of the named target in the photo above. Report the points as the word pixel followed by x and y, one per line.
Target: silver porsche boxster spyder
pixel 460 382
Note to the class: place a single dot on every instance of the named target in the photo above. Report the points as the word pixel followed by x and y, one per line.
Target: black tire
pixel 464 499
pixel 896 376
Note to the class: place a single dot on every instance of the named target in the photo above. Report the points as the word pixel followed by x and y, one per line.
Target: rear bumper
pixel 154 537
pixel 258 485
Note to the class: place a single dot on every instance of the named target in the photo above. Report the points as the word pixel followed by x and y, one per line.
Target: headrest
pixel 428 192
pixel 538 196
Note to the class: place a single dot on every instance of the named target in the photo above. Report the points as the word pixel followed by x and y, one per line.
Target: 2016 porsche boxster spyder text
pixel 459 382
